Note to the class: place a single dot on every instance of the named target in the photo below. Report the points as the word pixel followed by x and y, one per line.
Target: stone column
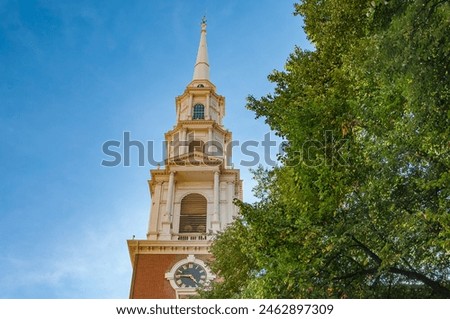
pixel 183 141
pixel 210 144
pixel 215 220
pixel 170 196
pixel 230 204
pixel 207 111
pixel 155 213
pixel 189 115
pixel 166 223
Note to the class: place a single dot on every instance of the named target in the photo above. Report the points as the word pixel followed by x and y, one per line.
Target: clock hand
pixel 193 279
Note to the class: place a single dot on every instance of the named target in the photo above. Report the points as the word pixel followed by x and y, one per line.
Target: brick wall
pixel 148 281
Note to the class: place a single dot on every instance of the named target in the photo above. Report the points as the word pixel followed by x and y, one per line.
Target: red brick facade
pixel 148 281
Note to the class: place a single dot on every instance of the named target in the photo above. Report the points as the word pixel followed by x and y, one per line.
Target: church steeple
pixel 192 195
pixel 201 68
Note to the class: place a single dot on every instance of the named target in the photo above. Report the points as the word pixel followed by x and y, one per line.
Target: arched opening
pixel 198 112
pixel 193 214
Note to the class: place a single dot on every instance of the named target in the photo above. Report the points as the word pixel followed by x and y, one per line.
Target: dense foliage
pixel 359 207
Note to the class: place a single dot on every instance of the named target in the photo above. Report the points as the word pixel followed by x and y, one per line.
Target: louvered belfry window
pixel 193 214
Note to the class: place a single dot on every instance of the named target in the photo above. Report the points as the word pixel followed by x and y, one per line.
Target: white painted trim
pixel 170 275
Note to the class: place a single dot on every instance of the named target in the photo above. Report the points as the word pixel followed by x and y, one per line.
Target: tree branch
pixel 434 285
pixel 369 271
pixel 411 274
pixel 367 250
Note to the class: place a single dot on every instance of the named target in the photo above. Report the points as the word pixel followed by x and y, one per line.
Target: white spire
pixel 201 68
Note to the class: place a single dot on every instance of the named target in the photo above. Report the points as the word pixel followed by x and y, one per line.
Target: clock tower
pixel 192 195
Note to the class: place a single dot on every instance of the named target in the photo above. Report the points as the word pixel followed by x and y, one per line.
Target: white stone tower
pixel 192 196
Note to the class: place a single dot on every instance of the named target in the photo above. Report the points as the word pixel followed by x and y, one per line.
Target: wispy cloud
pixel 92 264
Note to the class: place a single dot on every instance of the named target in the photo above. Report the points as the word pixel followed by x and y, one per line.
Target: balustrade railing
pixel 190 236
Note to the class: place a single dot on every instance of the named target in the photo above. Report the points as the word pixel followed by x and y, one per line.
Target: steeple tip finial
pixel 201 68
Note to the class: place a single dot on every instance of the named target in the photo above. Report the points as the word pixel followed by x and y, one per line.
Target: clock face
pixel 190 275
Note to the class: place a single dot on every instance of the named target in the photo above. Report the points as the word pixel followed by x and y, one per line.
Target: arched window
pixel 196 146
pixel 198 112
pixel 193 214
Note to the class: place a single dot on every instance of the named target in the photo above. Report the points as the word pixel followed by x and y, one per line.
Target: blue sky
pixel 75 74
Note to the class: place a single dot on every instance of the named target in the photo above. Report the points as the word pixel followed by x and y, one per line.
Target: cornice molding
pixel 198 124
pixel 173 247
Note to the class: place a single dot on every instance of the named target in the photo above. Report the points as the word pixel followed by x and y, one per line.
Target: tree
pixel 359 207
